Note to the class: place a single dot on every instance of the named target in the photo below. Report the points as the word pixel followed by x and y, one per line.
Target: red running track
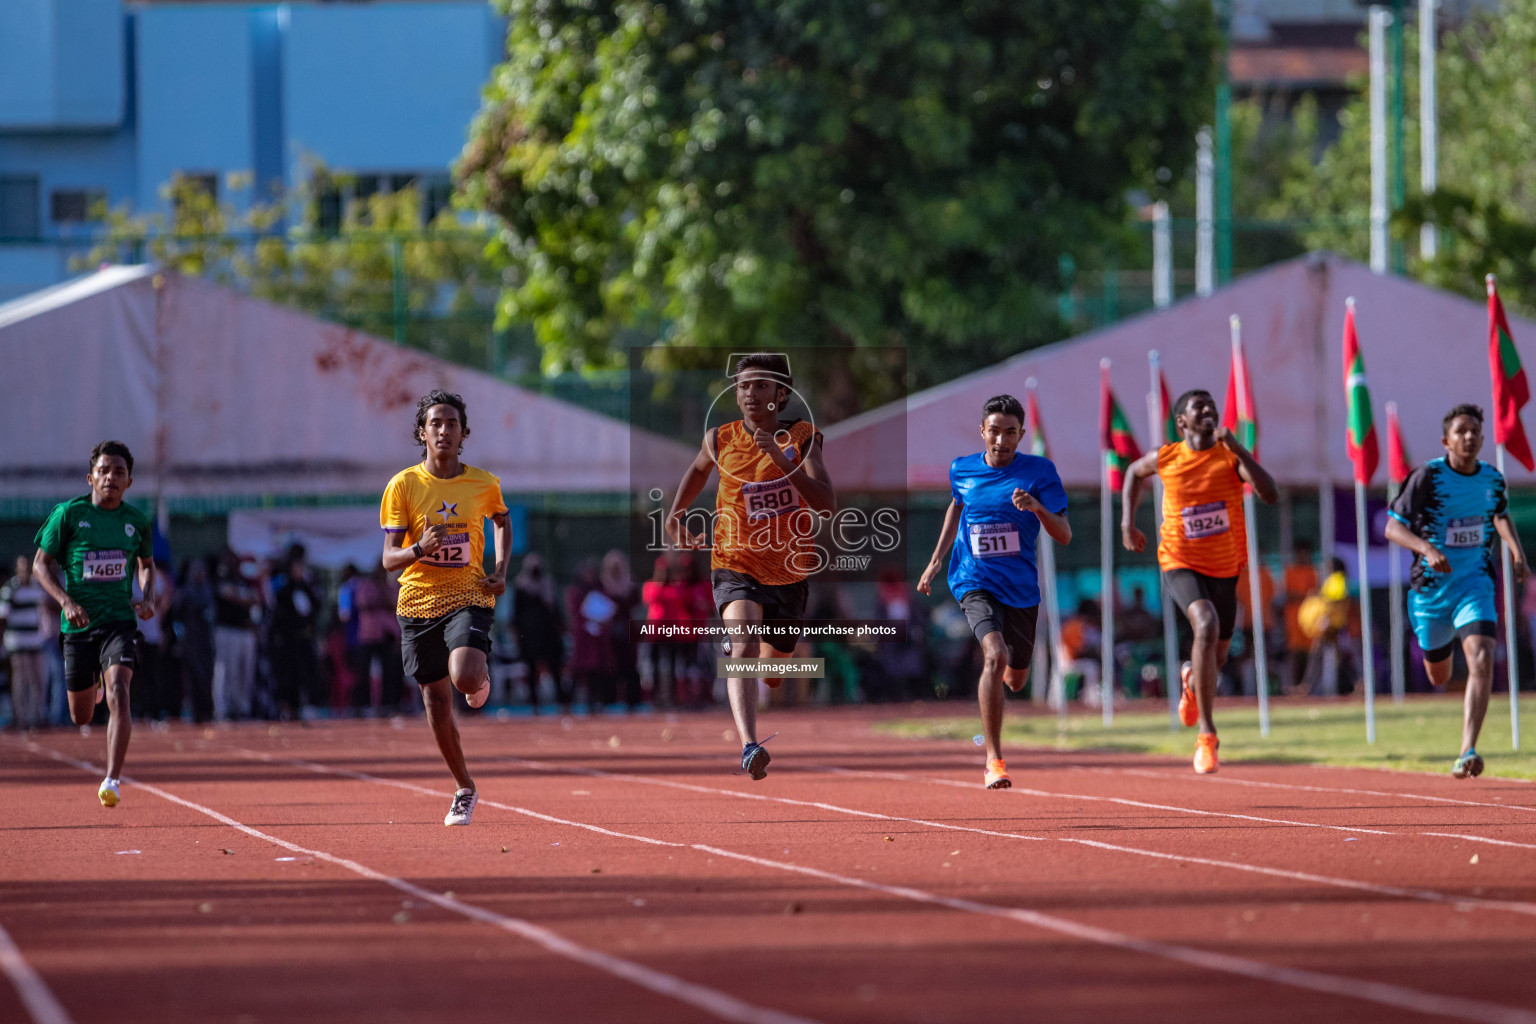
pixel 618 870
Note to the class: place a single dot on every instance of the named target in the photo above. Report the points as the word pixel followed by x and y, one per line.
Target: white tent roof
pixel 1425 349
pixel 232 395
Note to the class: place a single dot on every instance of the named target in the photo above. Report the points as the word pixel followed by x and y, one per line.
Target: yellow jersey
pixel 759 527
pixel 449 578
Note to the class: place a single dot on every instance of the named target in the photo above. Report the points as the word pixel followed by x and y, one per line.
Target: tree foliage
pixel 779 172
pixel 1486 203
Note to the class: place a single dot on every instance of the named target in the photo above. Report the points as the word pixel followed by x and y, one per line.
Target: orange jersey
pixel 760 529
pixel 1203 527
pixel 449 578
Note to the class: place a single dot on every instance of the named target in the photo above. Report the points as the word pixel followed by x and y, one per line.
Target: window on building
pixel 349 193
pixel 20 206
pixel 204 182
pixel 439 197
pixel 77 205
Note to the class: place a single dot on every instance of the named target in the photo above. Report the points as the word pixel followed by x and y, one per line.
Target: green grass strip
pixel 1419 735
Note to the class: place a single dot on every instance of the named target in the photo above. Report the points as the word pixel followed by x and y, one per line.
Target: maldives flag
pixel 1116 440
pixel 1171 433
pixel 1237 410
pixel 1360 433
pixel 1510 390
pixel 1032 423
pixel 1398 463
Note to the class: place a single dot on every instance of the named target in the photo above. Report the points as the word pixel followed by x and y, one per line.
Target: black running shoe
pixel 754 760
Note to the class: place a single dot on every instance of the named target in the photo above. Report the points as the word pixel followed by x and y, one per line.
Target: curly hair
pixel 427 402
pixel 112 448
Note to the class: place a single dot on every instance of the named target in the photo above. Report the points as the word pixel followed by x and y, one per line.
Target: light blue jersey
pixel 995 545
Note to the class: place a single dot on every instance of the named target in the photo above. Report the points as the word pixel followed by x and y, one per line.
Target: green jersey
pixel 98 549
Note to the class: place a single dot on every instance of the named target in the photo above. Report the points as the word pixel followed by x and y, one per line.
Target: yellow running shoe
pixel 1189 710
pixel 107 794
pixel 997 775
pixel 1205 752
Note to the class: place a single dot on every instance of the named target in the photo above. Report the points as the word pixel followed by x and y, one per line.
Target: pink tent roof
pixel 233 395
pixel 1425 349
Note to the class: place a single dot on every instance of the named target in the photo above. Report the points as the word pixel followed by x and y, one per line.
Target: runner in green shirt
pixel 85 552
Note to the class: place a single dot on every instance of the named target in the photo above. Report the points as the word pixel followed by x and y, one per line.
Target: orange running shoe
pixel 1205 752
pixel 997 775
pixel 1189 710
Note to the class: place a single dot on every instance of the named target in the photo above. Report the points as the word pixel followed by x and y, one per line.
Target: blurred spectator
pixel 590 612
pixel 1136 623
pixel 667 600
pixel 536 622
pixel 1080 642
pixel 1324 617
pixel 698 664
pixel 901 665
pixel 22 610
pixel 236 600
pixel 341 639
pixel 624 681
pixel 1300 580
pixel 193 615
pixel 294 632
pixel 156 692
pixel 374 597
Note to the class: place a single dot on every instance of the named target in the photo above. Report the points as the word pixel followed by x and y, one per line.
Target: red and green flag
pixel 1510 389
pixel 1116 440
pixel 1032 422
pixel 1399 465
pixel 1237 410
pixel 1360 433
pixel 1171 433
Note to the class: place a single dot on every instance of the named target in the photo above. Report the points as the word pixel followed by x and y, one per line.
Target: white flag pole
pixel 1395 583
pixel 1511 652
pixel 1255 568
pixel 1056 690
pixel 1107 569
pixel 1367 642
pixel 1429 129
pixel 1379 19
pixel 1156 413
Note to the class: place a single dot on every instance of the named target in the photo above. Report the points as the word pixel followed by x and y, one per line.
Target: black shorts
pixel 1482 627
pixel 88 654
pixel 783 603
pixel 1186 587
pixel 986 614
pixel 425 643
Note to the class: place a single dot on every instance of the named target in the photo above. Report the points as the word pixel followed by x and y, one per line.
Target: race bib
pixel 105 566
pixel 768 498
pixel 994 540
pixel 454 554
pixel 1205 520
pixel 1466 532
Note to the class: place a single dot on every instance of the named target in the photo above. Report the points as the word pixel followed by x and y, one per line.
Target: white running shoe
pixel 463 808
pixel 108 794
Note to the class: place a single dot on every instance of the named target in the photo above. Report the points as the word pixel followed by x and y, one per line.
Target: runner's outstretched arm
pixel 693 481
pixel 1130 496
pixel 1055 523
pixel 144 608
pixel 45 569
pixel 1433 557
pixel 496 582
pixel 813 484
pixel 946 539
pixel 1248 468
pixel 1516 552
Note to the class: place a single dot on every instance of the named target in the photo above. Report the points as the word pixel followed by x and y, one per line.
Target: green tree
pixel 377 268
pixel 1486 203
pixel 762 172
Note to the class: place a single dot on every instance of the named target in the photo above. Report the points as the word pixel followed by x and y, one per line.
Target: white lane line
pixel 1025 791
pixel 1395 892
pixel 1303 787
pixel 35 994
pixel 1381 993
pixel 1483 839
pixel 712 1001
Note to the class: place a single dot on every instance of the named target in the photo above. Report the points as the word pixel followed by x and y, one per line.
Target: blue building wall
pixel 116 101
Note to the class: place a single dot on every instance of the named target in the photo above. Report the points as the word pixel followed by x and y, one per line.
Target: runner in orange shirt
pixel 1204 543
pixel 772 482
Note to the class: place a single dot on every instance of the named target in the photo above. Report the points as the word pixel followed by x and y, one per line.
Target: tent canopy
pixel 228 395
pixel 1425 349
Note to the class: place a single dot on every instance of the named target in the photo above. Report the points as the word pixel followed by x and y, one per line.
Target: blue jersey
pixel 995 545
pixel 1454 512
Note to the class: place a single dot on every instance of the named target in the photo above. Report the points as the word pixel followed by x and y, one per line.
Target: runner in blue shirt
pixel 1446 515
pixel 999 500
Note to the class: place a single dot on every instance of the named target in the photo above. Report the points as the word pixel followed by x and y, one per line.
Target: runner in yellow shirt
pixel 433 518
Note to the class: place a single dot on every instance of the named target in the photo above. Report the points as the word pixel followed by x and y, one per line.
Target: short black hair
pixel 1464 409
pixel 772 363
pixel 430 399
pixel 1183 400
pixel 1007 405
pixel 119 449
